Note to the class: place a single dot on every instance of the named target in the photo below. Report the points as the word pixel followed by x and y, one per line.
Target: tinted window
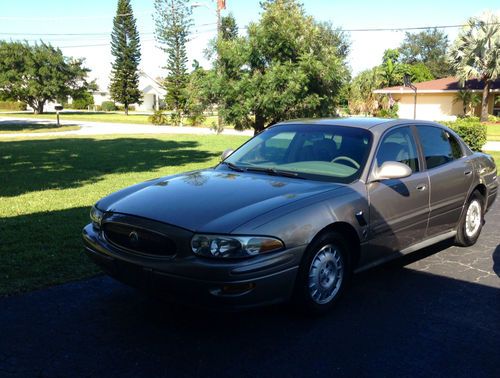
pixel 335 153
pixel 399 145
pixel 439 146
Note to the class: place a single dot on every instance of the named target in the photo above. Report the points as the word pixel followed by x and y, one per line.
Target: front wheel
pixel 471 222
pixel 323 274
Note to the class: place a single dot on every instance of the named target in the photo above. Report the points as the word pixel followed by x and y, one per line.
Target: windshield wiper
pixel 275 172
pixel 233 166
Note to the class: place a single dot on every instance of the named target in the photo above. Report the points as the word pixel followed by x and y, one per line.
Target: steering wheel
pixel 348 159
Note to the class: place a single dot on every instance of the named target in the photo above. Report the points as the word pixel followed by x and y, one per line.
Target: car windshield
pixel 323 152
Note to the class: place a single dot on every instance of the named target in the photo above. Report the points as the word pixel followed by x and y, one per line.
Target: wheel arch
pixel 351 236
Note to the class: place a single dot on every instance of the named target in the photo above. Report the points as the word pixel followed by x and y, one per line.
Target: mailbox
pixel 58 107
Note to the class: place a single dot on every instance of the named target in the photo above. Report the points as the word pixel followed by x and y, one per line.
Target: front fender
pixel 298 223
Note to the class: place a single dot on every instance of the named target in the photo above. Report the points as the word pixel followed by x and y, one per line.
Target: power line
pixel 411 28
pixel 59 18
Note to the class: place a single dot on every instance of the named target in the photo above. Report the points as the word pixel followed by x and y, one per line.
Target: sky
pixel 82 28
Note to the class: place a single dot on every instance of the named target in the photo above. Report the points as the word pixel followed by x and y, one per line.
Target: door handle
pixel 467 173
pixel 421 187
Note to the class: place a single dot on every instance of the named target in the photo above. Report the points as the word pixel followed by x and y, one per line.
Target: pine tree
pixel 126 48
pixel 173 22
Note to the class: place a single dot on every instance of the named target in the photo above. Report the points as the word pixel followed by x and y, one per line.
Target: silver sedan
pixel 294 212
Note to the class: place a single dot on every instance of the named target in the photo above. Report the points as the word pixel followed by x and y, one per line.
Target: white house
pixel 152 94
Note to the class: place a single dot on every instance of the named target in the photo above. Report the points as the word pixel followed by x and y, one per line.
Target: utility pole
pixel 221 4
pixel 407 83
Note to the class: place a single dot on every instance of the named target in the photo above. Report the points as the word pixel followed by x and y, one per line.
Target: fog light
pixel 233 289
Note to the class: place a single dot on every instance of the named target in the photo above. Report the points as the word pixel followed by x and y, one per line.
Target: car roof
pixel 361 122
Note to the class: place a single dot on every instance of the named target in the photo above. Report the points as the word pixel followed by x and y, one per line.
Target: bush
pixel 158 118
pixel 492 118
pixel 12 105
pixel 471 131
pixel 108 106
pixel 388 113
pixel 79 104
pixel 131 108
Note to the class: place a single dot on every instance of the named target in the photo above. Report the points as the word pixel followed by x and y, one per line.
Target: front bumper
pixel 201 282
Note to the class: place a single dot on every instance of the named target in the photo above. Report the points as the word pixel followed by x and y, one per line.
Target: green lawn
pixel 493 131
pixel 9 127
pixel 48 186
pixel 114 117
pixel 496 156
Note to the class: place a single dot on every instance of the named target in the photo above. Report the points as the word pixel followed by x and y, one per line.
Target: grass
pixel 113 117
pixel 10 127
pixel 48 186
pixel 496 156
pixel 493 131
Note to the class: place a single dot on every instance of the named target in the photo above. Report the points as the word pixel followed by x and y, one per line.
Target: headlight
pixel 225 246
pixel 96 217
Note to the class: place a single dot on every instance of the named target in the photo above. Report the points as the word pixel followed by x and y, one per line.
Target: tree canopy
pixel 126 49
pixel 36 74
pixel 476 54
pixel 173 23
pixel 429 47
pixel 288 65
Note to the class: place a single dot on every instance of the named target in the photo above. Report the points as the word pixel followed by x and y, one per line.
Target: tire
pixel 471 222
pixel 323 274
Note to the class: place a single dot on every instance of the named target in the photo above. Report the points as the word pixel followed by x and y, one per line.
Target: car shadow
pixel 32 165
pixel 394 319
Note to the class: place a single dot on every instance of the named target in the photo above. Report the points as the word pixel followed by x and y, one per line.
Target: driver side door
pixel 399 208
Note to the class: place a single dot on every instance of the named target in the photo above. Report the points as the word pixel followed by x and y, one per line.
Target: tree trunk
pixel 38 108
pixel 259 123
pixel 126 109
pixel 484 102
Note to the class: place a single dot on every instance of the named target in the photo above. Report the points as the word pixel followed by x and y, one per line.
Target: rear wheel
pixel 471 222
pixel 323 274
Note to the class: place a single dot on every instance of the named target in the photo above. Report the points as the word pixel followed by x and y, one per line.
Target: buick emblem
pixel 133 237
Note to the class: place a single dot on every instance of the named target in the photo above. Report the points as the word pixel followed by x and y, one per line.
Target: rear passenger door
pixel 450 174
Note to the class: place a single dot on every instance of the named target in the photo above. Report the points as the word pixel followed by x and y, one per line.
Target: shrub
pixel 492 118
pixel 12 105
pixel 388 113
pixel 158 118
pixel 80 103
pixel 131 108
pixel 108 106
pixel 471 131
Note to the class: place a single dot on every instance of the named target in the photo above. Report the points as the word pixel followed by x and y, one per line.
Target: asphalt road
pixel 435 313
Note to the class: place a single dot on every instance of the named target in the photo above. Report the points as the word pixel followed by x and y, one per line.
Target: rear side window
pixel 440 147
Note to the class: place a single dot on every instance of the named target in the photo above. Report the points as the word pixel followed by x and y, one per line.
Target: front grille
pixel 138 240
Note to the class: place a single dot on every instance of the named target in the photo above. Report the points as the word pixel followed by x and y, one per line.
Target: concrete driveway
pixel 434 313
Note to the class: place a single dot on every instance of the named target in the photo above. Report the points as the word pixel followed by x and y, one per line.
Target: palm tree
pixel 476 54
pixel 468 99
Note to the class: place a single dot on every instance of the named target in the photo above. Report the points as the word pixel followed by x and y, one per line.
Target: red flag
pixel 221 4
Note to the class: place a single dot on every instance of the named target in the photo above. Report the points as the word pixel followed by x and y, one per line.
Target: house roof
pixel 446 84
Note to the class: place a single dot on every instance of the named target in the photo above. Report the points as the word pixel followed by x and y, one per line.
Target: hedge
pixel 473 132
pixel 108 106
pixel 12 105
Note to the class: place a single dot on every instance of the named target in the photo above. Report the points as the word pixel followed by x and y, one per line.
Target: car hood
pixel 212 200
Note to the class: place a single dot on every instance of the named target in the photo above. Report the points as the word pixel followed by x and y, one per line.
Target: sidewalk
pixel 106 128
pixel 492 146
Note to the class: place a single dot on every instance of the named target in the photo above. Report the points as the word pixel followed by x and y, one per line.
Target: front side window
pixel 440 147
pixel 333 153
pixel 399 145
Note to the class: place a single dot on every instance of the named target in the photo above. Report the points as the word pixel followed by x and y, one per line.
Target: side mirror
pixel 226 154
pixel 391 170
